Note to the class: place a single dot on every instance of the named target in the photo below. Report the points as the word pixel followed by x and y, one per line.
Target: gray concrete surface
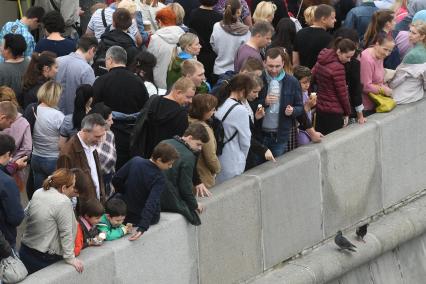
pixel 291 207
pixel 394 249
pixel 256 221
pixel 230 236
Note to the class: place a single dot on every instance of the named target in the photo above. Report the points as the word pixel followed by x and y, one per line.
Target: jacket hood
pixel 327 56
pixel 163 112
pixel 170 34
pixel 116 37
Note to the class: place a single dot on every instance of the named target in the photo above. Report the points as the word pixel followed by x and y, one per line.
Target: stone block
pixel 99 266
pixel 166 253
pixel 403 154
pixel 230 234
pixel 291 204
pixel 358 275
pixel 412 259
pixel 386 270
pixel 351 176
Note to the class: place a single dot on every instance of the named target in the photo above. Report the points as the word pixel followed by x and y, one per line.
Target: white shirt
pixel 88 150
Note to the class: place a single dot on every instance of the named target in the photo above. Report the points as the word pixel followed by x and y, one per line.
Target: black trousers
pixel 328 122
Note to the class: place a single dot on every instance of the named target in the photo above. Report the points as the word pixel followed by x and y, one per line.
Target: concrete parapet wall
pixel 394 252
pixel 274 211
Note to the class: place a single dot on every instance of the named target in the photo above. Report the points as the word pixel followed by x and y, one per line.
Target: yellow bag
pixel 384 103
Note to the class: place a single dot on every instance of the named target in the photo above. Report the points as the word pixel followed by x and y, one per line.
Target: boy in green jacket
pixel 112 221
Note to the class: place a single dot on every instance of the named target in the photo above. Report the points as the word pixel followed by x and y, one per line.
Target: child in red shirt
pixel 87 233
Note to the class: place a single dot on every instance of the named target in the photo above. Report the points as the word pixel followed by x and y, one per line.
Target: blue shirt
pixel 73 70
pixel 59 47
pixel 17 27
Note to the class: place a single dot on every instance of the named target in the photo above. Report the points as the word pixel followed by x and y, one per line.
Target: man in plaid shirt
pixel 106 149
pixel 29 22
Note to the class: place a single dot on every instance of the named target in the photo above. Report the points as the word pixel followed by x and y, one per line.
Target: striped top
pixel 96 24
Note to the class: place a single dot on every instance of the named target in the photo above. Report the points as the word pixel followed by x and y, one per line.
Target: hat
pixel 420 16
pixel 384 4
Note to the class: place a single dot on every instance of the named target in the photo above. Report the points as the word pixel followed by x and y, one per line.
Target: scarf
pixel 280 76
pixel 236 29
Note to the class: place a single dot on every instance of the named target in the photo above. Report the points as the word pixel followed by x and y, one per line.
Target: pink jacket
pixel 372 77
pixel 21 132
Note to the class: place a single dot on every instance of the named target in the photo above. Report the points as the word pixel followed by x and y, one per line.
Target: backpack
pixel 140 131
pixel 219 132
pixel 30 114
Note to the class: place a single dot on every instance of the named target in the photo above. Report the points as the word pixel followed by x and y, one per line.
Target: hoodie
pixel 329 75
pixel 166 118
pixel 161 46
pixel 174 71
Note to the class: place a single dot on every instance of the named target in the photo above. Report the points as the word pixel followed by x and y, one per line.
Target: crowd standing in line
pixel 145 105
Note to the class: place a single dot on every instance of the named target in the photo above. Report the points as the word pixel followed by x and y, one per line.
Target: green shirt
pixel 112 233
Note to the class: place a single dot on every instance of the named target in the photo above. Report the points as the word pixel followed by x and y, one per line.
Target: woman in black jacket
pixel 42 68
pixel 353 76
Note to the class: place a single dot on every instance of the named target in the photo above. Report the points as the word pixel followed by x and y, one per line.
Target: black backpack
pixel 140 131
pixel 219 132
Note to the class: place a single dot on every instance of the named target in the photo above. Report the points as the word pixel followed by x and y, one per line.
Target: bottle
pixel 274 90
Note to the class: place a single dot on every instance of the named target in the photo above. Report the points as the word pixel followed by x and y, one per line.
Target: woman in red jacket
pixel 333 107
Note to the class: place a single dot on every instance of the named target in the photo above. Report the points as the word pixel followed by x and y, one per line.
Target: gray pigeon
pixel 343 242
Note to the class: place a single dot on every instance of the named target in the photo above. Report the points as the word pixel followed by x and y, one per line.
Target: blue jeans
pixel 42 167
pixel 35 260
pixel 270 140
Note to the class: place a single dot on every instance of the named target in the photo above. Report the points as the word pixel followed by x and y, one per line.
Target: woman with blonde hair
pixel 265 11
pixel 189 46
pixel 180 15
pixel 408 84
pixel 309 15
pixel 46 132
pixel 51 225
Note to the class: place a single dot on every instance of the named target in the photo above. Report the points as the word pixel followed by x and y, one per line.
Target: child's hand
pixel 260 112
pixel 312 102
pixel 289 110
pixel 129 228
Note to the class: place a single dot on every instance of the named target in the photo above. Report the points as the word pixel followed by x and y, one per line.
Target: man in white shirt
pixel 80 152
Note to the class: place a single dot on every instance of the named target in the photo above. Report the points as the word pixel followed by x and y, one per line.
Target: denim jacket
pixel 359 18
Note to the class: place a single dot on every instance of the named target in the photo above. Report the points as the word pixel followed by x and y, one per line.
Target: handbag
pixel 12 270
pixel 383 103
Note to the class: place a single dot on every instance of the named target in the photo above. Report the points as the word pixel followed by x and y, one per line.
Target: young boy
pixel 111 222
pixel 141 182
pixel 87 233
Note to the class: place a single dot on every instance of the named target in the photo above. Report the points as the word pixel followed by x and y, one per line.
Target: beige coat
pixel 208 165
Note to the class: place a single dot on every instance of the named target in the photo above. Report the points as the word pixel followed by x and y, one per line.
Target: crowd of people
pixel 145 105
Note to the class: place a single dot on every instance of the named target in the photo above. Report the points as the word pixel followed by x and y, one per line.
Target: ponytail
pixel 230 13
pixel 378 22
pixel 34 72
pixel 175 53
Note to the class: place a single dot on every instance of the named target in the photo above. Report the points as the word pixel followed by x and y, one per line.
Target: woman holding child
pixel 51 224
